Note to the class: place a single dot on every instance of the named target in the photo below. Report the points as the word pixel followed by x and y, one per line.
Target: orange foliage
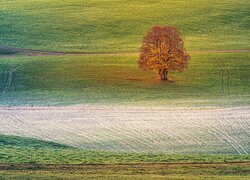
pixel 162 50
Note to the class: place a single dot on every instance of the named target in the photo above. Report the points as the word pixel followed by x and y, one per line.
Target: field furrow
pixel 134 129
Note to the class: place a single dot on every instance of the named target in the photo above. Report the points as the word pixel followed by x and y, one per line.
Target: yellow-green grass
pixel 28 158
pixel 21 150
pixel 130 171
pixel 211 79
pixel 118 25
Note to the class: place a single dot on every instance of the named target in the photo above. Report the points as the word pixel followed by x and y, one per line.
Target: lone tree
pixel 163 50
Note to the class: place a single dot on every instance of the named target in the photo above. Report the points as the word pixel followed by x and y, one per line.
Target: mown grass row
pixel 130 171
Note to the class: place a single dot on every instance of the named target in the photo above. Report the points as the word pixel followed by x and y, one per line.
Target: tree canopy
pixel 163 50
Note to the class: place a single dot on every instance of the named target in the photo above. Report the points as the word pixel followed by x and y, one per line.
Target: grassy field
pixel 211 79
pixel 21 150
pixel 129 171
pixel 107 26
pixel 28 158
pixel 118 25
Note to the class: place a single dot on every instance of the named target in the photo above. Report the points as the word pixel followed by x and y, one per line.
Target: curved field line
pixel 31 132
pixel 8 80
pixel 133 129
pixel 215 130
pixel 34 52
pixel 129 146
pixel 74 131
pixel 5 81
pixel 223 124
pixel 185 133
pixel 232 139
pixel 67 129
pixel 167 132
pixel 197 125
pixel 147 143
pixel 219 136
pixel 243 126
pixel 224 137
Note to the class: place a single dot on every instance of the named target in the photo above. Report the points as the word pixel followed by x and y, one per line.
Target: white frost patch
pixel 134 129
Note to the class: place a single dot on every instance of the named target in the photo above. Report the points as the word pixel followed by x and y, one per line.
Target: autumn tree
pixel 162 51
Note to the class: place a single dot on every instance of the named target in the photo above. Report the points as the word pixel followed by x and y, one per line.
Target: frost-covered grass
pixel 134 129
pixel 25 158
pixel 14 149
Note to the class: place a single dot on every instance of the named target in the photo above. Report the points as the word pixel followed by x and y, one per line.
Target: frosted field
pixel 134 129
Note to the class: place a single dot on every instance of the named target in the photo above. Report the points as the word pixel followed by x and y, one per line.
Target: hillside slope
pixel 211 79
pixel 16 149
pixel 118 25
pixel 134 129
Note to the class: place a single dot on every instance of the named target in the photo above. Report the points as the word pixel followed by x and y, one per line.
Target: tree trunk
pixel 163 74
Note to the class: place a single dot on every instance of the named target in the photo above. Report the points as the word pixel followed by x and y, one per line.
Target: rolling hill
pixel 219 79
pixel 26 158
pixel 21 150
pixel 118 25
pixel 68 74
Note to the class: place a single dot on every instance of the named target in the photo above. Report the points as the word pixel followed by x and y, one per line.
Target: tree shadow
pixel 165 80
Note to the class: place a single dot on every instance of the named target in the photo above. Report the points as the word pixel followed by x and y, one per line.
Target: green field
pixel 112 26
pixel 105 37
pixel 211 79
pixel 14 149
pixel 31 159
pixel 4 52
pixel 129 171
pixel 118 25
